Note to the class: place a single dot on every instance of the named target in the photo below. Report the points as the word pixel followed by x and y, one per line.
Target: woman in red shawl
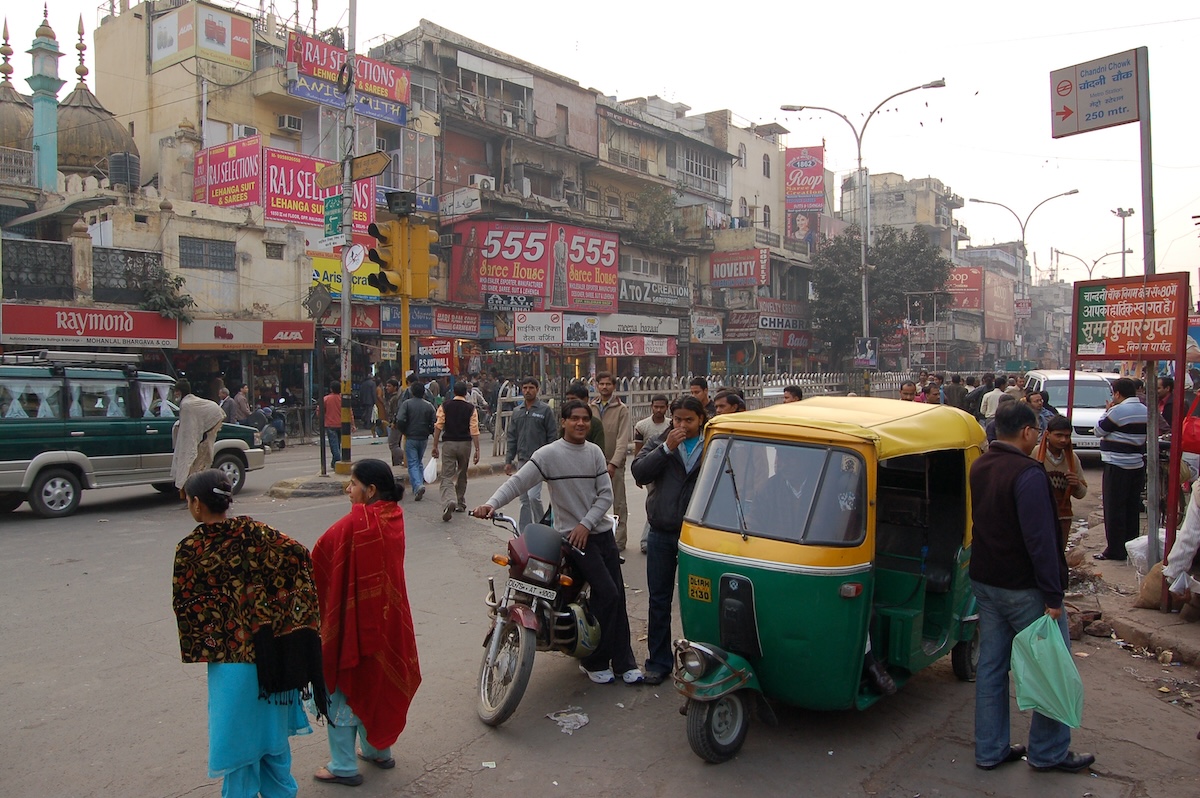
pixel 368 644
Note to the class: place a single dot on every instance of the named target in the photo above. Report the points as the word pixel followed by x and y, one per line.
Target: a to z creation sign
pixel 1137 317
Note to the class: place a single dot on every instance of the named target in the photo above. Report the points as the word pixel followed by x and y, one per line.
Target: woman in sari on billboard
pixel 466 287
pixel 559 298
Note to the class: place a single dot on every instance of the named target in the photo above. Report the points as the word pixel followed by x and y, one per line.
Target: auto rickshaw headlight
pixel 692 661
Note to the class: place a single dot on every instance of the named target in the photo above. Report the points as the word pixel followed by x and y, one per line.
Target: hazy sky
pixel 986 135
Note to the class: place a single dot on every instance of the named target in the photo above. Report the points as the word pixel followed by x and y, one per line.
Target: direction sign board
pixel 333 215
pixel 1094 95
pixel 361 168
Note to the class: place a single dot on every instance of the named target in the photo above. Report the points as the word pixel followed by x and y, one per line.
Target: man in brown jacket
pixel 618 433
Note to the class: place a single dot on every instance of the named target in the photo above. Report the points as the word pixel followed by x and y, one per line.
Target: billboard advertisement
pixel 999 323
pixel 637 346
pixel 291 195
pixel 456 323
pixel 804 179
pixel 965 285
pixel 45 325
pixel 229 175
pixel 744 268
pixel 707 328
pixel 1132 318
pixel 323 61
pixel 323 92
pixel 560 266
pixel 201 31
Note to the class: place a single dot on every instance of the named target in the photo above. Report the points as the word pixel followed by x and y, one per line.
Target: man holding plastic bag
pixel 1019 574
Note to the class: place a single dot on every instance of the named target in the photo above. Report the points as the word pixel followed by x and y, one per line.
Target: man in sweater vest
pixel 1018 573
pixel 456 428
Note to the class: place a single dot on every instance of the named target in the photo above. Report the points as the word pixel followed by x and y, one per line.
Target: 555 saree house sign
pixel 1133 318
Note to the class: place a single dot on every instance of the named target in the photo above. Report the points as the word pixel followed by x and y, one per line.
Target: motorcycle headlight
pixel 539 571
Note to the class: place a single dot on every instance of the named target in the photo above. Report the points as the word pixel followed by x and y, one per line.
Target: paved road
pixel 98 704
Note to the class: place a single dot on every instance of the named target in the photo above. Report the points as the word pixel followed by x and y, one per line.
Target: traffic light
pixel 422 256
pixel 391 254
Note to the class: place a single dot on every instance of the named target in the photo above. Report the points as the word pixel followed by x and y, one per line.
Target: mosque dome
pixel 88 133
pixel 16 114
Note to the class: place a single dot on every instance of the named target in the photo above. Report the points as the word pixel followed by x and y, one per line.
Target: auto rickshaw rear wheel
pixel 717 729
pixel 965 656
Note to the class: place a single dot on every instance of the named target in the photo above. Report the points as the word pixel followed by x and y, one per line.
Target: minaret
pixel 45 84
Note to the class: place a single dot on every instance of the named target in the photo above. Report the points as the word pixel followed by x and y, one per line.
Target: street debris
pixel 490 765
pixel 569 719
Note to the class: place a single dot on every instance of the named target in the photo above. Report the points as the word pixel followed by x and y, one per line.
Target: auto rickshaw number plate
pixel 699 588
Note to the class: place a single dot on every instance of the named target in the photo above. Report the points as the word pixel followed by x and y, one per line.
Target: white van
pixel 1092 394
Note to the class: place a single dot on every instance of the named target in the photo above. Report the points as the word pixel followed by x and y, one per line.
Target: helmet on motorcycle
pixel 587 631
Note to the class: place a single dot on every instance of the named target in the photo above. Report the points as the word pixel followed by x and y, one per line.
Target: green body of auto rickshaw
pixel 823 537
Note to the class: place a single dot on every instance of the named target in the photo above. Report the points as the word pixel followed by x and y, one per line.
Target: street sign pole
pixel 348 146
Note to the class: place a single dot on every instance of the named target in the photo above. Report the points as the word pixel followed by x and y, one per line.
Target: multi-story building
pixel 1003 331
pixel 924 202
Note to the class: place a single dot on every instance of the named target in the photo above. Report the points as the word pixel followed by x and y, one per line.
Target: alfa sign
pixel 1094 95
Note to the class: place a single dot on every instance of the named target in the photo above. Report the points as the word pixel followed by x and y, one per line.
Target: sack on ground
pixel 1137 551
pixel 431 469
pixel 1150 593
pixel 1045 675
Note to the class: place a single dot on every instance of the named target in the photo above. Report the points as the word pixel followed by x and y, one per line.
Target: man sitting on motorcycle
pixel 576 475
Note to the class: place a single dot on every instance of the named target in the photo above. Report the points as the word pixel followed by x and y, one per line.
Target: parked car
pixel 75 421
pixel 1092 393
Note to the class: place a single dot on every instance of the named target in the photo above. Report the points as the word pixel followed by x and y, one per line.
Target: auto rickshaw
pixel 822 536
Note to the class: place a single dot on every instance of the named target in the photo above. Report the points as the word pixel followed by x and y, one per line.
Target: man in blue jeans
pixel 1019 573
pixel 414 420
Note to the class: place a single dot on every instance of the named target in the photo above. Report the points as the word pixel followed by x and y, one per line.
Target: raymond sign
pixel 229 175
pixel 292 195
pixel 322 60
pixel 744 268
pixel 564 266
pixel 965 285
pixel 1137 318
pixel 46 325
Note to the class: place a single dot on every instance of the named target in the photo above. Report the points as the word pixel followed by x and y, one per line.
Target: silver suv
pixel 1092 393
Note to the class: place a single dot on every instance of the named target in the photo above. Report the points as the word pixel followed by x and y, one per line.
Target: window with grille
pixel 640 266
pixel 274 251
pixel 412 167
pixel 700 170
pixel 205 253
pixel 767 217
pixel 591 201
pixel 766 166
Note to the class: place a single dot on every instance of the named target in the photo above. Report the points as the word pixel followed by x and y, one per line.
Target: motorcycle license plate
pixel 533 590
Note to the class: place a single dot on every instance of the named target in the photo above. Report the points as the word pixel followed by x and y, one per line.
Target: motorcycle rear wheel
pixel 502 685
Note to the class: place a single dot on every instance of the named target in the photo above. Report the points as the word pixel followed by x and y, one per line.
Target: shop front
pixel 273 357
pixel 90 329
pixel 366 352
pixel 639 346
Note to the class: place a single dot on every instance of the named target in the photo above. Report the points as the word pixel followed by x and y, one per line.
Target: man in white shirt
pixel 987 407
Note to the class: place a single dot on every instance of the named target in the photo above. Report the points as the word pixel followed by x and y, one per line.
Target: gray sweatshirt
pixel 577 477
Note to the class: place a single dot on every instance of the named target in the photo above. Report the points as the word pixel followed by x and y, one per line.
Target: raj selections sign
pixel 804 179
pixel 45 325
pixel 563 266
pixel 1132 318
pixel 201 31
pixel 965 285
pixel 229 175
pixel 322 60
pixel 746 268
pixel 292 195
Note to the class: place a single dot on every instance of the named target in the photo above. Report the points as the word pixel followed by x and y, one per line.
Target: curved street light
pixel 1096 262
pixel 859 132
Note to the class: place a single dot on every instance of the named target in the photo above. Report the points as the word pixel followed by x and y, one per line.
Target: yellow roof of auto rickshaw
pixel 893 427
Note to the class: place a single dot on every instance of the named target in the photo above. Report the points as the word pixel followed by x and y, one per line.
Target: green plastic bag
pixel 1045 675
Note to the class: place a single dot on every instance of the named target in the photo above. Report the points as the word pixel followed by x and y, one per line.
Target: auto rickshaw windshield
pixel 783 491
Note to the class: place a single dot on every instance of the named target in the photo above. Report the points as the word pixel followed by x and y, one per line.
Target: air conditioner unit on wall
pixel 244 131
pixel 507 118
pixel 293 124
pixel 485 182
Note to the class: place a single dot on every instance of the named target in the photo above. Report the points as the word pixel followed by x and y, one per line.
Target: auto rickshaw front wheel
pixel 965 656
pixel 717 729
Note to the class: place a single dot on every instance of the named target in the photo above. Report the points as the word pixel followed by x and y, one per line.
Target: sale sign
pixel 293 197
pixel 965 285
pixel 324 61
pixel 637 346
pixel 745 268
pixel 1135 317
pixel 229 175
pixel 804 179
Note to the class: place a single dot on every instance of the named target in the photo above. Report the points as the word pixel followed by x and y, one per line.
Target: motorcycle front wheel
pixel 502 684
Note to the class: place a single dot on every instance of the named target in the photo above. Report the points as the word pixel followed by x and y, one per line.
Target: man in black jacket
pixel 1019 573
pixel 671 463
pixel 415 420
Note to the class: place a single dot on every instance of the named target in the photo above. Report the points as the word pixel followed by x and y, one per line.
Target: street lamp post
pixel 1096 262
pixel 1123 213
pixel 865 232
pixel 1022 292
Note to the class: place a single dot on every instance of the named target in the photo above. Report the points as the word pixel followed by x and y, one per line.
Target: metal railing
pixel 16 166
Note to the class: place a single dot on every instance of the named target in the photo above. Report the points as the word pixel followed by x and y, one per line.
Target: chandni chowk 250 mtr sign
pixel 1135 318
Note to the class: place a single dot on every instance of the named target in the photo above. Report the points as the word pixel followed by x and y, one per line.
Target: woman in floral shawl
pixel 368 643
pixel 245 603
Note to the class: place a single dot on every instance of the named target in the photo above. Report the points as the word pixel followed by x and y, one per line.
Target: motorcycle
pixel 271 422
pixel 543 606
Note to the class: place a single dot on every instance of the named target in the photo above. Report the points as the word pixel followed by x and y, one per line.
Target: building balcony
pixel 16 167
pixel 496 112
